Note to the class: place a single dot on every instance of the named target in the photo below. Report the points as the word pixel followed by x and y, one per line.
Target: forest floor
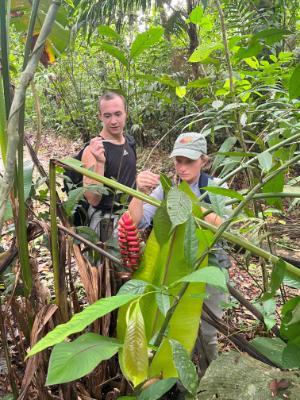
pixel 245 274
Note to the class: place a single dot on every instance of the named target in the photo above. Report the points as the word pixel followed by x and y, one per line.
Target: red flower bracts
pixel 129 241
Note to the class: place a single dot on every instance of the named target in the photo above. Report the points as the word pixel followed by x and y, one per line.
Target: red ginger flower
pixel 129 241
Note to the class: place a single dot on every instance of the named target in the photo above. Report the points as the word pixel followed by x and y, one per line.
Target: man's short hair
pixel 110 96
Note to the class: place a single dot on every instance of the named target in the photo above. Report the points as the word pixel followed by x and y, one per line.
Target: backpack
pixel 203 182
pixel 74 180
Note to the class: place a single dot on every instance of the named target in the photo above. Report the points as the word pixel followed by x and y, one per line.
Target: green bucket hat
pixel 191 145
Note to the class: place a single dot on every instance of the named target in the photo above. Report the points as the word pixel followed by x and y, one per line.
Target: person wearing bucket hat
pixel 190 156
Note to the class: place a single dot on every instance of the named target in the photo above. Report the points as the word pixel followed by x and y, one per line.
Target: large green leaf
pixel 115 52
pixel 271 348
pixel 59 36
pixel 203 51
pixel 274 185
pixel 133 286
pixel 179 206
pixel 252 50
pixel 214 276
pixel 224 192
pixel 277 275
pixel 265 161
pixel 161 224
pixel 145 40
pixel 196 15
pixel 291 355
pixel 290 330
pixel 107 31
pixel 186 369
pixel 71 361
pixel 81 320
pixel 291 280
pixel 134 354
pixel 295 315
pixel 191 242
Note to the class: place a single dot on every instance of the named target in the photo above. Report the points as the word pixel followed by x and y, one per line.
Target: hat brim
pixel 188 153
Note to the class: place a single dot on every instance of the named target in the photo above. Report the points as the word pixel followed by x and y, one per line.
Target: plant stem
pixel 3 122
pixel 18 101
pixel 60 298
pixel 19 184
pixel 90 244
pixel 4 56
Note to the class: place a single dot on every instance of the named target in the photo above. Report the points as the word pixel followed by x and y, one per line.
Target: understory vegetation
pixel 228 69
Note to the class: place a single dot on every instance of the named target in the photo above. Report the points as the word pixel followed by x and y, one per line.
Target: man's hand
pixel 147 181
pixel 97 149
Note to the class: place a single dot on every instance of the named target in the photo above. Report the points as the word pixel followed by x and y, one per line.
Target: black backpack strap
pixel 203 182
pixel 132 143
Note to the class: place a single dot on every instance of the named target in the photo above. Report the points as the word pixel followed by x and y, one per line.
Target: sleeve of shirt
pixel 150 210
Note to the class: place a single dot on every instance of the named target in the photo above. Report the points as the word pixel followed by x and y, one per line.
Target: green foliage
pixel 145 40
pixel 271 348
pixel 134 355
pixel 285 354
pixel 214 276
pixel 179 206
pixel 75 195
pixel 157 389
pixel 277 276
pixel 72 360
pixel 81 320
pixel 163 265
pixel 191 243
pixel 294 85
pixel 186 369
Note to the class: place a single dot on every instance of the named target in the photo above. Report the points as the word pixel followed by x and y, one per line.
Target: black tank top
pixel 120 165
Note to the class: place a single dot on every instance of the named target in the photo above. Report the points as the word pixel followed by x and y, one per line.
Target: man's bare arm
pixel 93 158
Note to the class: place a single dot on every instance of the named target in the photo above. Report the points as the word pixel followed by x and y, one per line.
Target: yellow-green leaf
pixel 135 350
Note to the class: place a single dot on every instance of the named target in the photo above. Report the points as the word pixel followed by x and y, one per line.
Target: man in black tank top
pixel 110 154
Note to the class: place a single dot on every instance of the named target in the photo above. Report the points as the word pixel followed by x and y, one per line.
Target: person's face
pixel 188 170
pixel 113 115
